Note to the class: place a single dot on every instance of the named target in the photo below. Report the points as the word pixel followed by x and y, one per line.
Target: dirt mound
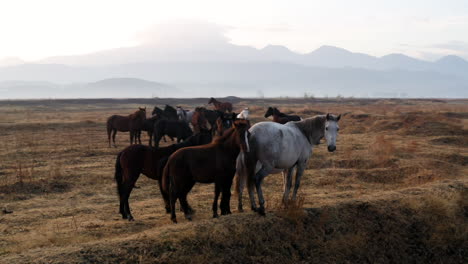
pixel 26 190
pixel 463 115
pixel 419 124
pixel 423 229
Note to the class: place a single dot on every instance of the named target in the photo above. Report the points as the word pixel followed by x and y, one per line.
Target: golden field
pixel 396 189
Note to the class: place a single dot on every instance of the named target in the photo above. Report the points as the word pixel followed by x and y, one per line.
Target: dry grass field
pixel 395 191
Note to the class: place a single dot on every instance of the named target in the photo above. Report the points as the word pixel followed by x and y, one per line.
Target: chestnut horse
pixel 279 117
pixel 215 162
pixel 132 123
pixel 139 159
pixel 221 106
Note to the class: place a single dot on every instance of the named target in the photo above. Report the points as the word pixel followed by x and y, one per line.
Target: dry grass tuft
pixel 382 150
pixel 293 210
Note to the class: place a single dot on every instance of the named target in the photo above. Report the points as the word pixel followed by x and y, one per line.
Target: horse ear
pixel 338 118
pixel 328 116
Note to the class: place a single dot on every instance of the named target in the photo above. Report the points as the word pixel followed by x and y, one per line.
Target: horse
pixel 244 114
pixel 199 120
pixel 139 159
pixel 131 123
pixel 279 117
pixel 172 128
pixel 275 147
pixel 184 115
pixel 148 126
pixel 220 106
pixel 224 122
pixel 214 162
pixel 168 113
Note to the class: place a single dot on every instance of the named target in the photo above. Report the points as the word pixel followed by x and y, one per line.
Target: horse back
pixel 201 163
pixel 118 122
pixel 280 146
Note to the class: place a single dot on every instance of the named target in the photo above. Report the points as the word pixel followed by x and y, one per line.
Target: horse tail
pixel 241 173
pixel 118 174
pixel 165 181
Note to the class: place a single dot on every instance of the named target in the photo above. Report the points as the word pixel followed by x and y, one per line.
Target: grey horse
pixel 274 148
pixel 184 115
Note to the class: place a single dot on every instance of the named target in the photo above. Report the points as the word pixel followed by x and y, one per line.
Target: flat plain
pixel 396 189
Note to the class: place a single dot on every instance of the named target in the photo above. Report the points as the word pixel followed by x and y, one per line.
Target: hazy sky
pixel 426 29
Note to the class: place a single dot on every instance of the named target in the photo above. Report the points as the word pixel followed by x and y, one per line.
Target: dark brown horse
pixel 215 162
pixel 279 117
pixel 221 106
pixel 139 159
pixel 199 121
pixel 132 123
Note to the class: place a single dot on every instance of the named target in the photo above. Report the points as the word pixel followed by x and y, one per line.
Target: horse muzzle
pixel 331 148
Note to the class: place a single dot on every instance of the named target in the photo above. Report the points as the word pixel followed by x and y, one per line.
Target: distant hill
pixel 107 88
pixel 204 65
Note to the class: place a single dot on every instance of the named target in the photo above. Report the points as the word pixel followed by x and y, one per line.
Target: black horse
pixel 172 128
pixel 169 113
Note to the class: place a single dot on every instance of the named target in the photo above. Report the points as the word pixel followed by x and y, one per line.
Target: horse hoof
pixel 261 211
pixel 254 209
pixel 215 215
pixel 174 220
pixel 240 210
pixel 131 219
pixel 188 217
pixel 168 210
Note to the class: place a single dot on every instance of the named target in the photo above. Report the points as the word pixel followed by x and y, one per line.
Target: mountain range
pixel 222 68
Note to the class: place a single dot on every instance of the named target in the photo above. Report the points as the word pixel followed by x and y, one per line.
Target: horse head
pixel 269 112
pixel 331 131
pixel 212 100
pixel 157 111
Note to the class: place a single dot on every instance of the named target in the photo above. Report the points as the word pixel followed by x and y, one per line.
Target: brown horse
pixel 279 117
pixel 221 106
pixel 132 123
pixel 139 159
pixel 199 120
pixel 215 162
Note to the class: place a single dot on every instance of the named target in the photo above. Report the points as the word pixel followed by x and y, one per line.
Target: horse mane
pixel 226 135
pixel 137 114
pixel 312 128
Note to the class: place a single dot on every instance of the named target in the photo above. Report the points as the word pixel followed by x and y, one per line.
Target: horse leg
pixel 186 207
pixel 299 172
pixel 109 131
pixel 139 137
pixel 173 199
pixel 264 171
pixel 131 137
pixel 251 188
pixel 240 180
pixel 150 135
pixel 225 199
pixel 114 132
pixel 287 183
pixel 215 202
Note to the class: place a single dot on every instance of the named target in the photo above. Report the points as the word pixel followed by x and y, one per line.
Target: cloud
pixel 180 33
pixel 454 45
